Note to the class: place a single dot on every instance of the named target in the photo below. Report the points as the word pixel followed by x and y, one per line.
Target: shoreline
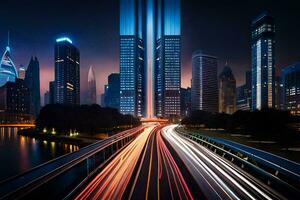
pixel 79 141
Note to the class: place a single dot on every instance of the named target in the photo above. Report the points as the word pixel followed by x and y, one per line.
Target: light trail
pixel 112 181
pixel 226 180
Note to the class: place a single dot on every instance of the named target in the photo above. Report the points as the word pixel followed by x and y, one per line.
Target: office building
pixel 52 94
pixel 227 91
pixel 67 72
pixel 46 98
pixel 32 81
pixel 244 94
pixel 112 91
pixel 263 62
pixel 204 82
pixel 185 101
pixel 150 57
pixel 92 91
pixel 278 104
pixel 15 102
pixel 291 88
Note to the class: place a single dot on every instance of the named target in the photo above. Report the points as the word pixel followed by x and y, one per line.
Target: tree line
pixel 89 119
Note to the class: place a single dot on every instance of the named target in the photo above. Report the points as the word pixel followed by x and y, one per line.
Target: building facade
pixel 244 94
pixel 32 81
pixel 263 62
pixel 227 91
pixel 132 58
pixel 150 57
pixel 15 103
pixel 92 90
pixel 21 72
pixel 204 82
pixel 52 92
pixel 112 91
pixel 67 72
pixel 278 104
pixel 185 101
pixel 291 88
pixel 8 71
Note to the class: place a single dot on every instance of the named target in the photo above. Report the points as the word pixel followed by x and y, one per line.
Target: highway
pixel 163 164
pixel 218 178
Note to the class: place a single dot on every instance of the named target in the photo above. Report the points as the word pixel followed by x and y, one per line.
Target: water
pixel 19 153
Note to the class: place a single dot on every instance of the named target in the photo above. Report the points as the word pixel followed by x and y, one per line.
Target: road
pixel 162 164
pixel 218 178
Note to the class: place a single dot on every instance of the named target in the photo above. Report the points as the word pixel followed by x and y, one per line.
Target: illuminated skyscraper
pixel 204 82
pixel 150 57
pixel 8 71
pixel 263 62
pixel 67 72
pixel 132 62
pixel 92 91
pixel 167 48
pixel 291 88
pixel 112 91
pixel 32 81
pixel 227 91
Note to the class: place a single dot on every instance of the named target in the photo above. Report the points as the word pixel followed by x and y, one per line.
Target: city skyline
pixel 93 45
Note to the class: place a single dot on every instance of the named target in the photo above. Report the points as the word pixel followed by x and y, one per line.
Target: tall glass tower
pixel 150 57
pixel 67 72
pixel 132 62
pixel 263 62
pixel 92 91
pixel 8 71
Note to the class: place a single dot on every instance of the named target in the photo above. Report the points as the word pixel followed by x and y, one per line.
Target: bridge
pixel 18 125
pixel 155 161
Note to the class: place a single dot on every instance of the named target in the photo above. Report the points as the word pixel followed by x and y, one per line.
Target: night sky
pixel 219 28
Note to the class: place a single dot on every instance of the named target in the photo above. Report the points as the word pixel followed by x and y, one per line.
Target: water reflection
pixel 19 153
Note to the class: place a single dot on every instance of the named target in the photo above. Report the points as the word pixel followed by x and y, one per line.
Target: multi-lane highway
pixel 162 164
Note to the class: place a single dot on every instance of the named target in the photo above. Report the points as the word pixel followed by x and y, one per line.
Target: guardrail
pixel 285 181
pixel 57 178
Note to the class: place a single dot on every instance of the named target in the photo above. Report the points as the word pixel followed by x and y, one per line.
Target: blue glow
pixel 172 17
pixel 64 39
pixel 127 17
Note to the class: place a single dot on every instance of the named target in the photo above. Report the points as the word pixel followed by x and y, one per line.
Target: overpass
pixel 17 125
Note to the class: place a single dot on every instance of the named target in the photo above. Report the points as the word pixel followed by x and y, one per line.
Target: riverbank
pixel 292 152
pixel 78 140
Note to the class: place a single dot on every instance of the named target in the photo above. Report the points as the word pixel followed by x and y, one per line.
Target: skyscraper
pixel 8 71
pixel 132 60
pixel 150 57
pixel 46 98
pixel 67 72
pixel 32 81
pixel 263 62
pixel 185 101
pixel 21 72
pixel 112 91
pixel 278 104
pixel 291 88
pixel 52 92
pixel 204 82
pixel 92 91
pixel 227 91
pixel 244 94
pixel 167 47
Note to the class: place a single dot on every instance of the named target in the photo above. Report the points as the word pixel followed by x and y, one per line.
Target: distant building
pixel 244 94
pixel 263 62
pixel 52 95
pixel 204 82
pixel 21 72
pixel 92 91
pixel 15 102
pixel 278 104
pixel 46 98
pixel 67 72
pixel 227 91
pixel 291 88
pixel 8 71
pixel 185 101
pixel 102 99
pixel 32 81
pixel 112 91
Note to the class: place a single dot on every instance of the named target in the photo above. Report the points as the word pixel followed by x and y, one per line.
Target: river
pixel 19 153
